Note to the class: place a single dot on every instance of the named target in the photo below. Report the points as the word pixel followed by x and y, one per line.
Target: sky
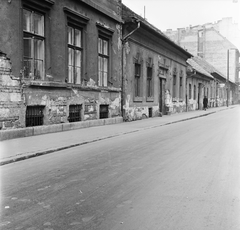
pixel 173 14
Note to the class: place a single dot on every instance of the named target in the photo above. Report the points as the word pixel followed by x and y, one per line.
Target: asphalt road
pixel 184 176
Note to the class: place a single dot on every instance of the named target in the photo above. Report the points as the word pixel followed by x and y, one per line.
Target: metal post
pixel 227 82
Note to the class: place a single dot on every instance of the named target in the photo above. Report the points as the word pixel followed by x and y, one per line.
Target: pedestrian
pixel 205 103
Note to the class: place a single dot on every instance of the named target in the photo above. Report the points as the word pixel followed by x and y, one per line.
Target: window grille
pixel 34 116
pixel 75 113
pixel 103 111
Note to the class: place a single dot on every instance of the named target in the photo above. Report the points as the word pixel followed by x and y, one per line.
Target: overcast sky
pixel 173 14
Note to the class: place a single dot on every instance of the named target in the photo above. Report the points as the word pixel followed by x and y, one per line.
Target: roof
pixel 128 15
pixel 198 68
pixel 210 69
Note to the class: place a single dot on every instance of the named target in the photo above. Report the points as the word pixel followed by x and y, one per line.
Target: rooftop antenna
pixel 144 13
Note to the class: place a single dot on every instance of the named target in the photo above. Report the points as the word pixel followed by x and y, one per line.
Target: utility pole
pixel 227 82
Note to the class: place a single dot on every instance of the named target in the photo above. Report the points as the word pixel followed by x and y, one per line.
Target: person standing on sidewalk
pixel 205 102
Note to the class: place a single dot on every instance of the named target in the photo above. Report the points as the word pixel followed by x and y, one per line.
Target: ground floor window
pixel 194 92
pixel 190 91
pixel 75 113
pixel 34 116
pixel 103 111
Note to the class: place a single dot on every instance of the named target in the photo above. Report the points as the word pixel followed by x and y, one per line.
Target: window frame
pixel 101 57
pixel 75 48
pixel 137 80
pixel 181 87
pixel 194 92
pixel 79 21
pixel 149 84
pixel 190 91
pixel 174 85
pixel 105 33
pixel 34 37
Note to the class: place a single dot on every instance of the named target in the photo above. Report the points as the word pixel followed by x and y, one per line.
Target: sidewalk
pixel 23 148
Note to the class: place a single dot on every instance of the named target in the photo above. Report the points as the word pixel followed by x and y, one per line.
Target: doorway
pixel 199 95
pixel 160 96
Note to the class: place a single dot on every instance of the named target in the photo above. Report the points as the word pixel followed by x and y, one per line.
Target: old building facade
pixel 200 83
pixel 65 61
pixel 206 42
pixel 154 70
pixel 69 61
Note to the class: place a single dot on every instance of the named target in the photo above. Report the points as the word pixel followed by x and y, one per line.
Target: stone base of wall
pixel 139 113
pixel 175 107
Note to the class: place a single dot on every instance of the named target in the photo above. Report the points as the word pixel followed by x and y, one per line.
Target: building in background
pixel 228 29
pixel 200 83
pixel 65 61
pixel 208 43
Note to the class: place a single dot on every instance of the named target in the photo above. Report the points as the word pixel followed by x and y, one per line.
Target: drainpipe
pixel 124 40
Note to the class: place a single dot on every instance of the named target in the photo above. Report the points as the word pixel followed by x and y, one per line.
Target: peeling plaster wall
pixel 10 96
pixel 10 102
pixel 192 105
pixel 135 112
pixel 52 91
pixel 57 103
pixel 139 113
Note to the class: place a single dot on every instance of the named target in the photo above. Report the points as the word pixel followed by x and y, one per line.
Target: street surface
pixel 183 176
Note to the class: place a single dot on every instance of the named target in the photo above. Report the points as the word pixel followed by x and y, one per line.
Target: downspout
pixel 124 40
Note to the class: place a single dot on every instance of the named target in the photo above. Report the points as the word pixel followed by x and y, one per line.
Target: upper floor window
pixel 33 44
pixel 74 55
pixel 103 61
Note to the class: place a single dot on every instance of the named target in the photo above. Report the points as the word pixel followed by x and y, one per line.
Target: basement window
pixel 149 112
pixel 103 111
pixel 34 116
pixel 75 113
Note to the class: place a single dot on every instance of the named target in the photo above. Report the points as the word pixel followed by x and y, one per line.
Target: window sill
pixel 150 99
pixel 137 99
pixel 42 83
